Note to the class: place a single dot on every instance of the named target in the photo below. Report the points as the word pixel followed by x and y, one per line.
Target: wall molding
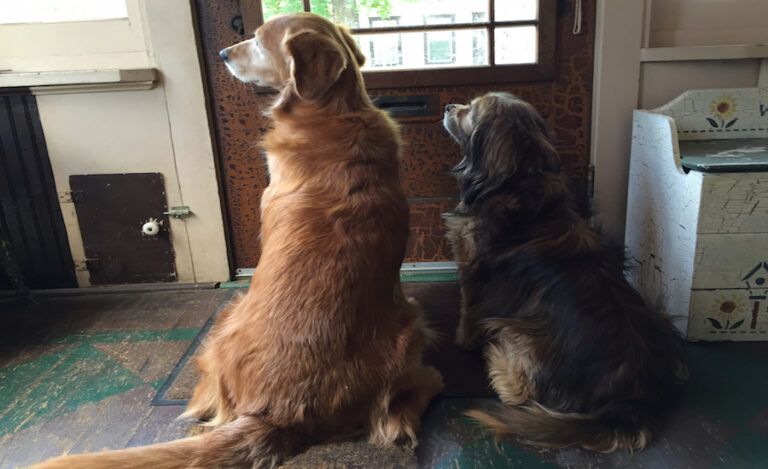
pixel 407 268
pixel 79 81
pixel 727 52
pixel 618 41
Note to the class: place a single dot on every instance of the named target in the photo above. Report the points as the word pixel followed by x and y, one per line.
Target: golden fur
pixel 324 345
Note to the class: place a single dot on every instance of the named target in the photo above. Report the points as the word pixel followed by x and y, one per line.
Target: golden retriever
pixel 324 345
pixel 575 353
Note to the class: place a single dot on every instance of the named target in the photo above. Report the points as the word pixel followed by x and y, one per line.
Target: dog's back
pixel 602 361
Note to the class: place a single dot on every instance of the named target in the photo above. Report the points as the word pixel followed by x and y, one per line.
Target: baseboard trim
pixel 409 272
pixel 111 289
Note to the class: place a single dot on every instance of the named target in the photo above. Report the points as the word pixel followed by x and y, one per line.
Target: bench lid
pixel 731 155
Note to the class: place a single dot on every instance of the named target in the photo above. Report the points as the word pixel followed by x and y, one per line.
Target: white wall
pixel 624 82
pixel 708 22
pixel 660 82
pixel 164 129
pixel 685 23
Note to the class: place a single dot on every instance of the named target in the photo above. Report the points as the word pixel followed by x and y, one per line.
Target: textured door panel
pixel 429 152
pixel 111 210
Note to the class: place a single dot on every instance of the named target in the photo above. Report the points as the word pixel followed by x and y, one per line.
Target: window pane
pixel 60 11
pixel 272 8
pixel 435 49
pixel 385 50
pixel 439 45
pixel 516 45
pixel 358 13
pixel 480 47
pixel 516 10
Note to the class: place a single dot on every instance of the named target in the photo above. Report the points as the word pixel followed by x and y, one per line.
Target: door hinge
pixel 71 197
pixel 591 181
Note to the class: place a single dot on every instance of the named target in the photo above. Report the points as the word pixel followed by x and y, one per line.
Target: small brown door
pixel 111 211
pixel 564 98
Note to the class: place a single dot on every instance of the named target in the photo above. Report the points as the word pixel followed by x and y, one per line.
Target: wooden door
pixel 111 211
pixel 565 100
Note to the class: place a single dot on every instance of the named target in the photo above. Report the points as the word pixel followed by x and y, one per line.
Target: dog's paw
pixel 394 432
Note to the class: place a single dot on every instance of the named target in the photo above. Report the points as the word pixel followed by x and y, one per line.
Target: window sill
pixel 79 81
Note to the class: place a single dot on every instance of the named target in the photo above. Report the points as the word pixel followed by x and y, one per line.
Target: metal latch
pixel 591 181
pixel 180 212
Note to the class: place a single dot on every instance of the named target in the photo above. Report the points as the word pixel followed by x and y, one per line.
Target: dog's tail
pixel 533 424
pixel 248 441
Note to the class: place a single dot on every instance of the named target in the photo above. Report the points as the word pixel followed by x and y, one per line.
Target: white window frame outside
pixel 427 57
pixel 376 22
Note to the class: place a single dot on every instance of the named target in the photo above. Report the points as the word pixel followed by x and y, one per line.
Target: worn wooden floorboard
pixel 78 374
pixel 159 425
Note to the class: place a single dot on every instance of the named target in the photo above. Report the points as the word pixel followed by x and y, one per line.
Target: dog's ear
pixel 503 147
pixel 499 162
pixel 316 63
pixel 520 142
pixel 535 142
pixel 350 42
pixel 488 161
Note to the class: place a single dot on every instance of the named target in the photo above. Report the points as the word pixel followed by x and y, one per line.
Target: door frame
pixel 619 37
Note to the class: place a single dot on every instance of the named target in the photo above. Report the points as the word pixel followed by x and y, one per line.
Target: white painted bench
pixel 697 212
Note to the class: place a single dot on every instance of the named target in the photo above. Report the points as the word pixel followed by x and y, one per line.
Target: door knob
pixel 151 227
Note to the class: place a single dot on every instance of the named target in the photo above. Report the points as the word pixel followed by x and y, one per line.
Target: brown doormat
pixel 463 372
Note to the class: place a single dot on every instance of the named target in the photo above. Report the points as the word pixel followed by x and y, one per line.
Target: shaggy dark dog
pixel 574 352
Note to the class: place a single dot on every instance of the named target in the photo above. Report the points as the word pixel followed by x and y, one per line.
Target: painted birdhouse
pixel 697 212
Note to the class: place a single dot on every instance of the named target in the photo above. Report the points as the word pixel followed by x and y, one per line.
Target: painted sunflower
pixel 727 312
pixel 723 107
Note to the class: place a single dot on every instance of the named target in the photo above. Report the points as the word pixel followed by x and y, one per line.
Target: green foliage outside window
pixel 341 11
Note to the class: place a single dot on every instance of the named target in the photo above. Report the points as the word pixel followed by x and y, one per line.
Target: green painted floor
pixel 79 374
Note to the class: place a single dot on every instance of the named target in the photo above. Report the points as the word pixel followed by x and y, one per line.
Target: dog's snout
pixel 224 54
pixel 450 107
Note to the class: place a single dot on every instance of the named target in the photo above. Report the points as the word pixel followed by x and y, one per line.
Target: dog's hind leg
pixel 209 401
pixel 398 417
pixel 511 368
